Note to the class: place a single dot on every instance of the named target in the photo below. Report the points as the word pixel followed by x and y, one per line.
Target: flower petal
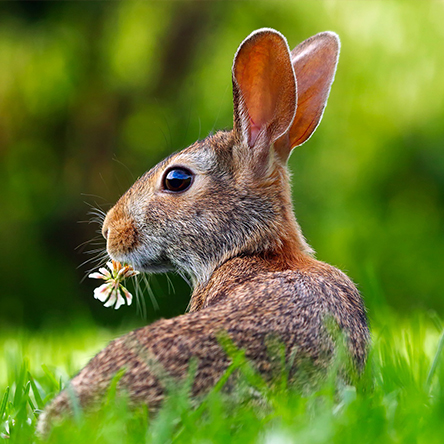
pixel 96 275
pixel 126 271
pixel 122 272
pixel 105 272
pixel 101 293
pixel 131 273
pixel 112 300
pixel 120 301
pixel 110 265
pixel 117 266
pixel 128 295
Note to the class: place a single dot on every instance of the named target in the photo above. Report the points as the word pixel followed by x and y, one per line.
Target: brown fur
pixel 234 232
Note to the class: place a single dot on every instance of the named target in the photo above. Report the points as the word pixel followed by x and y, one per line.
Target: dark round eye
pixel 178 179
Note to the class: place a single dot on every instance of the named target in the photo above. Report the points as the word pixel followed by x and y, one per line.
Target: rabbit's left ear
pixel 314 62
pixel 264 91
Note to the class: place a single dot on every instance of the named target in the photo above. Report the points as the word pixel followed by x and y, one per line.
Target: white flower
pixel 112 292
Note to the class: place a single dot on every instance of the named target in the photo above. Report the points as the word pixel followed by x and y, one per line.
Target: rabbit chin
pixel 146 267
pixel 143 262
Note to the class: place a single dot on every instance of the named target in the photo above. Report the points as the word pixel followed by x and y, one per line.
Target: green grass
pixel 400 397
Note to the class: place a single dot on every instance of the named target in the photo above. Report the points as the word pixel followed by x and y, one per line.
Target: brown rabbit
pixel 221 212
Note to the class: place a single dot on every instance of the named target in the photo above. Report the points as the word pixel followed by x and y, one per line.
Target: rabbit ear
pixel 314 62
pixel 264 89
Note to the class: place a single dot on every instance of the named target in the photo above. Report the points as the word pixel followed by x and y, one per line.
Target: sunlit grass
pixel 64 351
pixel 400 397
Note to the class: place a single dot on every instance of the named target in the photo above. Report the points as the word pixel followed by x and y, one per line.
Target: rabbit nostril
pixel 105 232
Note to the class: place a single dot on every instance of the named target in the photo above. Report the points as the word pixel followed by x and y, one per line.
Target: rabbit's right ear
pixel 264 92
pixel 314 62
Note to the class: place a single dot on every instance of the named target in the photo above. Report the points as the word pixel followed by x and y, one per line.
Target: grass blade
pixel 36 392
pixel 436 360
pixel 56 385
pixel 4 403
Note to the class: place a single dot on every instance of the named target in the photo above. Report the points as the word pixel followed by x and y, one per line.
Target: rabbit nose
pixel 107 223
pixel 105 228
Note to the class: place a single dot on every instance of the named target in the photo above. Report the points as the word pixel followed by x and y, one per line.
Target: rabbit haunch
pixel 232 228
pixel 226 213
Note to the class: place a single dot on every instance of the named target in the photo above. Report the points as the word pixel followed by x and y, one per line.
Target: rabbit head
pixel 229 194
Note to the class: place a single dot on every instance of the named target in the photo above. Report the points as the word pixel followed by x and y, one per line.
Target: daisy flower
pixel 112 292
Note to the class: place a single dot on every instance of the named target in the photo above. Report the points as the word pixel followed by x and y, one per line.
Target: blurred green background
pixel 94 94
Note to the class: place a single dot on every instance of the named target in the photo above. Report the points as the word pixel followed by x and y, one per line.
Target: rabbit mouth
pixel 148 263
pixel 144 266
pixel 154 268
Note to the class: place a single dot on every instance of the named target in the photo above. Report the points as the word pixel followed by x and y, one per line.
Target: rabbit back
pixel 252 305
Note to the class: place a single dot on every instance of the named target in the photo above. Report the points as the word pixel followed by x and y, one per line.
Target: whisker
pixel 125 166
pixel 97 213
pixel 184 277
pixel 94 241
pixel 92 195
pixel 99 242
pixel 171 289
pixel 96 206
pixel 94 251
pixel 89 221
pixel 95 209
pixel 150 292
pixel 141 305
pixel 99 254
pixel 96 219
pixel 99 262
pixel 93 260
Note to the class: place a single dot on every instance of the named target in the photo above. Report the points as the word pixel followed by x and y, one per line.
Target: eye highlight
pixel 177 179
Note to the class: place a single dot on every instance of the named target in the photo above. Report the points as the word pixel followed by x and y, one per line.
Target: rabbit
pixel 220 211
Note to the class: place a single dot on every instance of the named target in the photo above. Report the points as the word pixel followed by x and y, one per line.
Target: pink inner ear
pixel 258 77
pixel 264 84
pixel 254 131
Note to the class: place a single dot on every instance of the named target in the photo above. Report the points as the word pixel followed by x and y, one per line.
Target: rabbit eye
pixel 178 179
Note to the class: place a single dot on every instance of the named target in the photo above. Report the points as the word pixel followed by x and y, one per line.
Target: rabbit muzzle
pixel 121 234
pixel 125 243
